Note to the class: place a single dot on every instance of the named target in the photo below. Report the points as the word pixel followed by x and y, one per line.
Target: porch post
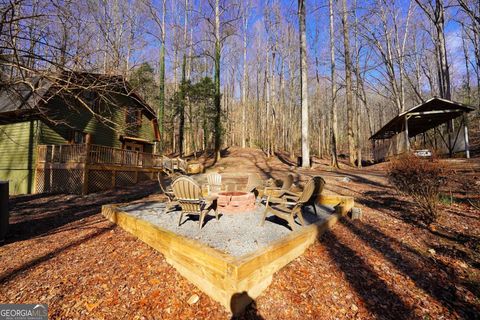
pixel 407 142
pixel 4 215
pixel 85 174
pixel 465 136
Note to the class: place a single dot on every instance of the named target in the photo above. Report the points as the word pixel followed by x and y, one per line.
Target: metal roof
pixel 422 118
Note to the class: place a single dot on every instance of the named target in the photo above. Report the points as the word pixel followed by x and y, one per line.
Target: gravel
pixel 235 234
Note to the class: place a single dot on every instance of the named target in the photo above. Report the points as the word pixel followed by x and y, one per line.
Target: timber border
pixel 232 281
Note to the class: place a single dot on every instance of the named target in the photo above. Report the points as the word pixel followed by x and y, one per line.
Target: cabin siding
pixel 103 132
pixel 48 135
pixel 18 143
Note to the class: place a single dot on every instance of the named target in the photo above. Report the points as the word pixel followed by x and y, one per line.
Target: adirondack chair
pixel 289 207
pixel 214 182
pixel 254 184
pixel 167 191
pixel 167 164
pixel 319 186
pixel 278 191
pixel 294 196
pixel 182 165
pixel 189 196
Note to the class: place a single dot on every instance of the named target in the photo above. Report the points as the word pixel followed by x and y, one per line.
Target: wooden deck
pixel 87 168
pixel 233 282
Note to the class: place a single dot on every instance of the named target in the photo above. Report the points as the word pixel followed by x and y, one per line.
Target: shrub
pixel 421 179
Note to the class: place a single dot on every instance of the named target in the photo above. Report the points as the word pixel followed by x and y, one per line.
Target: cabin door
pixel 132 146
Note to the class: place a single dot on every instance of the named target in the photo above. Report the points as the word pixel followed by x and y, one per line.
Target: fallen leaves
pixel 67 255
pixel 193 299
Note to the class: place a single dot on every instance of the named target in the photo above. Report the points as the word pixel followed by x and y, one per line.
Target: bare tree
pixel 218 124
pixel 333 114
pixel 304 84
pixel 348 83
pixel 161 97
pixel 246 9
pixel 435 12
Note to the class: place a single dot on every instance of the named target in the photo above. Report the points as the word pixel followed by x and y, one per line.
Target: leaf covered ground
pixel 62 252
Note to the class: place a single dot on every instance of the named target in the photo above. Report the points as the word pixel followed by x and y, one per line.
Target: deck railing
pixel 62 153
pixel 96 154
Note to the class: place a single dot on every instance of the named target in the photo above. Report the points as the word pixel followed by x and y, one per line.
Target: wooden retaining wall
pixel 232 281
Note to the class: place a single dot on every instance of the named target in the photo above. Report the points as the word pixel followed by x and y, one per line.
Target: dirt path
pixel 61 251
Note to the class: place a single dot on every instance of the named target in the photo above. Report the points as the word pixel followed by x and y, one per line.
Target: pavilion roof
pixel 422 118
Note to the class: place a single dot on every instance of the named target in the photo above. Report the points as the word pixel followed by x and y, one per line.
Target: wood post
pixel 449 135
pixel 85 170
pixel 465 136
pixel 407 142
pixel 35 177
pixel 4 216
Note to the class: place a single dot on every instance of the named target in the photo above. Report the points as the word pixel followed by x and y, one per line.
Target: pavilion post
pixel 407 142
pixel 449 134
pixel 465 136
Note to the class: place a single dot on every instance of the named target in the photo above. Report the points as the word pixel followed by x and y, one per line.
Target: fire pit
pixel 235 201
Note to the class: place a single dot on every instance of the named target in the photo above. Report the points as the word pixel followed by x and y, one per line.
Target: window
pixel 133 118
pixel 79 137
pixel 92 100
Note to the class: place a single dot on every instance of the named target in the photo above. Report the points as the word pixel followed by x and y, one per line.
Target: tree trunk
pixel 304 84
pixel 244 84
pixel 445 89
pixel 161 106
pixel 467 65
pixel 267 103
pixel 181 112
pixel 333 131
pixel 357 90
pixel 218 125
pixel 437 18
pixel 348 84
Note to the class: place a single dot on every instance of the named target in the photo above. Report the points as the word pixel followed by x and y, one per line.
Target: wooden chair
pixel 289 207
pixel 278 191
pixel 167 190
pixel 294 196
pixel 254 184
pixel 214 180
pixel 167 165
pixel 319 186
pixel 189 196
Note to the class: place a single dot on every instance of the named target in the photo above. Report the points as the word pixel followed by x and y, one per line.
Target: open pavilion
pixel 437 125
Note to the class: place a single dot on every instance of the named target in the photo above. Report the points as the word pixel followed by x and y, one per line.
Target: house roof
pixel 135 139
pixel 422 118
pixel 24 96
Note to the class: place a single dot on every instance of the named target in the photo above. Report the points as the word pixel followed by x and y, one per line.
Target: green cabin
pixel 69 108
